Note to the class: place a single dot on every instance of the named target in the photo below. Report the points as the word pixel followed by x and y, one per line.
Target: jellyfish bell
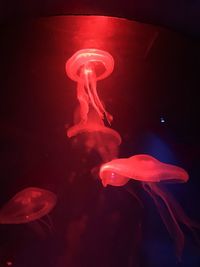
pixel 105 141
pixel 86 67
pixel 27 205
pixel 155 170
pixel 84 56
pixel 96 136
pixel 144 168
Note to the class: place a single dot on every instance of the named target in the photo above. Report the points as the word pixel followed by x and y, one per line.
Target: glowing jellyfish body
pixel 144 168
pixel 86 67
pixel 27 205
pixel 151 172
pixel 96 136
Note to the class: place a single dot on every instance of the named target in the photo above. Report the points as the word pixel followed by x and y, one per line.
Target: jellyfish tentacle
pixel 83 108
pixel 98 102
pixel 93 90
pixel 134 195
pixel 48 224
pixel 80 117
pixel 181 216
pixel 88 73
pixel 83 101
pixel 91 85
pixel 170 222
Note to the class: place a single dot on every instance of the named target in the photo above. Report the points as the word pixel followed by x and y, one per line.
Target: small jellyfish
pixel 151 172
pixel 96 136
pixel 27 205
pixel 86 67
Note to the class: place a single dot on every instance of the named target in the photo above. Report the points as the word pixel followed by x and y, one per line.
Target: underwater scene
pixel 99 144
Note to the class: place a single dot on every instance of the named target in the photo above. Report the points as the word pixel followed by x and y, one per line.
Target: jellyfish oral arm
pixel 83 101
pixel 95 98
pixel 90 84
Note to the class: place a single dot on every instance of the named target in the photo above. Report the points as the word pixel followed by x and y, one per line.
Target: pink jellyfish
pixel 151 172
pixel 142 167
pixel 86 67
pixel 27 205
pixel 96 136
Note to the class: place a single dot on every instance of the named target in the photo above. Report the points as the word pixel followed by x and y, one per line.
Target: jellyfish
pixel 28 205
pixel 86 67
pixel 96 136
pixel 152 173
pixel 143 167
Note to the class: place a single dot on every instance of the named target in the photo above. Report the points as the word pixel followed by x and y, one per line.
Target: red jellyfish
pixel 144 168
pixel 27 205
pixel 151 172
pixel 96 136
pixel 86 67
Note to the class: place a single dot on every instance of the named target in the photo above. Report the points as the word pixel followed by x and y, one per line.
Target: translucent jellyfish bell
pixel 144 168
pixel 86 67
pixel 151 172
pixel 27 205
pixel 96 136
